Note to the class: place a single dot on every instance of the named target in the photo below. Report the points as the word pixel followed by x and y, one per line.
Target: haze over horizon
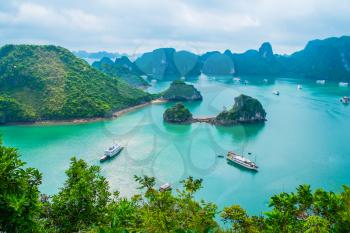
pixel 136 26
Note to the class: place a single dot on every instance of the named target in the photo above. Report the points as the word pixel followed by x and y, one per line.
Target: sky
pixel 136 26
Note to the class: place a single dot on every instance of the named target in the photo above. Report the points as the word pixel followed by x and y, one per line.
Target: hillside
pixel 50 83
pixel 122 68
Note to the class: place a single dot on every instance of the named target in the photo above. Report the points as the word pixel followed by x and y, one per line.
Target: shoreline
pixel 115 115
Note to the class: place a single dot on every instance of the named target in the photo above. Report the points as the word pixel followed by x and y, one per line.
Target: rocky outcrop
pixel 177 114
pixel 245 110
pixel 180 91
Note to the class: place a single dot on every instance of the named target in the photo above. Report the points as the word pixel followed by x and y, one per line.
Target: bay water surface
pixel 306 140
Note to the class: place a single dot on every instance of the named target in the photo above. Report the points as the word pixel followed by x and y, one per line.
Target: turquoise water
pixel 305 140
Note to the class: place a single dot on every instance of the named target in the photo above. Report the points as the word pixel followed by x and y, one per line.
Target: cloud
pixel 135 26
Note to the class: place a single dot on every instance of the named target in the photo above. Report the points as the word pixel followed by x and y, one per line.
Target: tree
pixel 316 224
pixel 239 219
pixel 19 194
pixel 83 200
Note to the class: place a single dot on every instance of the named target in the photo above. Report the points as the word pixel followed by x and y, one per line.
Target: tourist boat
pixel 345 100
pixel 111 152
pixel 276 92
pixel 240 160
pixel 321 82
pixel 300 87
pixel 165 187
pixel 343 84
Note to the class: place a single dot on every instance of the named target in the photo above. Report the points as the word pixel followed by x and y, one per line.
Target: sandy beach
pixel 115 114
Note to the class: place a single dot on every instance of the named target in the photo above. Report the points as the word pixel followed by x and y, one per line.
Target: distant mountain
pixel 50 83
pixel 122 68
pixel 96 55
pixel 326 59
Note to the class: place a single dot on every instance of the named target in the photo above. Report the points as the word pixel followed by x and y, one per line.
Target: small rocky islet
pixel 245 110
pixel 178 114
pixel 181 91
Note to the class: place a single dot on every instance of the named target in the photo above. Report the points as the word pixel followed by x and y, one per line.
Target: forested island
pixel 181 91
pixel 49 83
pixel 85 203
pixel 177 114
pixel 245 110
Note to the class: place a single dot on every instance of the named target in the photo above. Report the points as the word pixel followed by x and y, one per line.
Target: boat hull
pixel 105 158
pixel 242 165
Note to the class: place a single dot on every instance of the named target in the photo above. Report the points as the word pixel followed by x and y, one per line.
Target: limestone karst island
pixel 174 116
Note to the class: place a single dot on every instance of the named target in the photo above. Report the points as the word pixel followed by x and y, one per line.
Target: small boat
pixel 220 156
pixel 236 80
pixel 240 160
pixel 343 84
pixel 111 152
pixel 300 87
pixel 246 82
pixel 165 187
pixel 276 92
pixel 345 100
pixel 322 82
pixel 183 78
pixel 266 80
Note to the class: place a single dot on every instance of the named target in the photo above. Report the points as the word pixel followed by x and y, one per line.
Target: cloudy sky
pixel 135 26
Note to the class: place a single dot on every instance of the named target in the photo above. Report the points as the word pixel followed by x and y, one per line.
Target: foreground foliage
pixel 85 204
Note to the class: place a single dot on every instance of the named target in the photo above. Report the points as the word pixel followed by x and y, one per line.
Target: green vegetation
pixel 122 68
pixel 245 110
pixel 50 83
pixel 180 91
pixel 85 204
pixel 177 114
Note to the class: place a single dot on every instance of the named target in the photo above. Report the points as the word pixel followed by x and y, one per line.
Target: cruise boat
pixel 165 187
pixel 240 160
pixel 236 80
pixel 321 82
pixel 343 84
pixel 276 92
pixel 345 100
pixel 111 152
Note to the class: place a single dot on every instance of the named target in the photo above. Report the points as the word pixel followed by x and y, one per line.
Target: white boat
pixel 276 92
pixel 246 82
pixel 153 80
pixel 165 187
pixel 183 78
pixel 322 82
pixel 345 100
pixel 236 80
pixel 343 84
pixel 300 87
pixel 111 152
pixel 240 160
pixel 266 80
